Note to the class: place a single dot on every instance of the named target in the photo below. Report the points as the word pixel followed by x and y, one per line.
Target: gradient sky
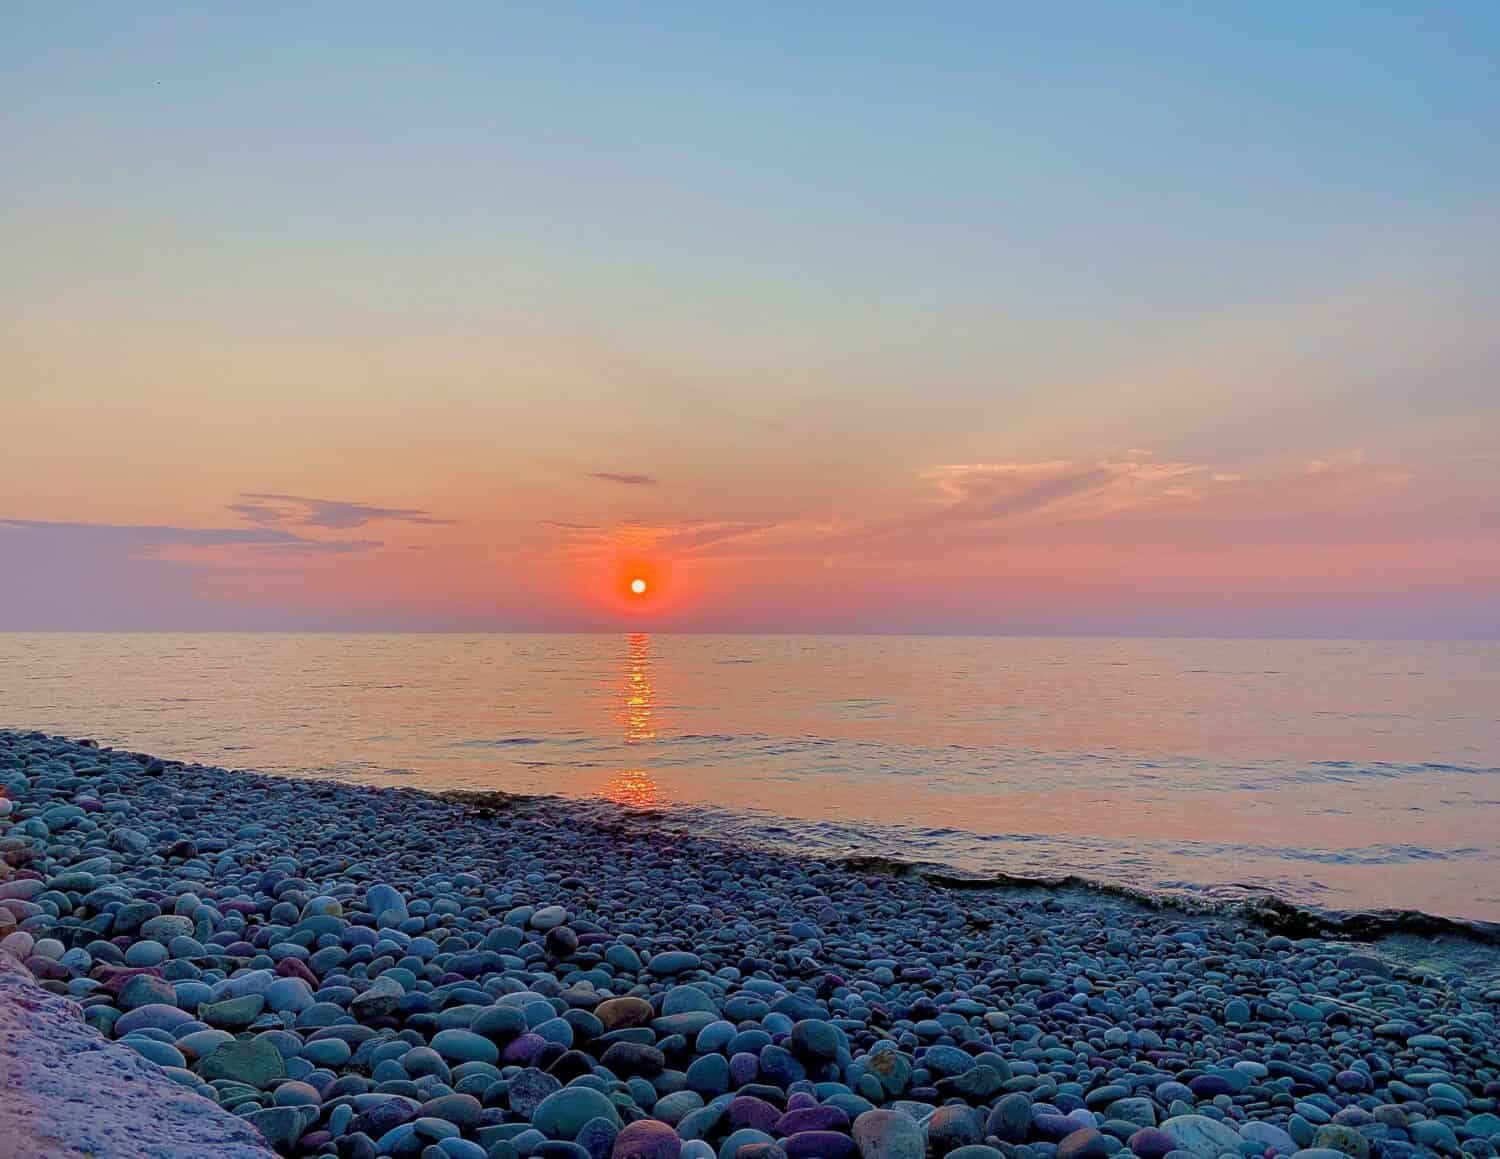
pixel 1145 318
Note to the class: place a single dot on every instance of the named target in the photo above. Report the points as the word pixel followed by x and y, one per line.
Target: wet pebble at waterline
pixel 364 972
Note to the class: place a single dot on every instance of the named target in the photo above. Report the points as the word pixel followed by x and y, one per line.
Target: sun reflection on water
pixel 639 693
pixel 636 787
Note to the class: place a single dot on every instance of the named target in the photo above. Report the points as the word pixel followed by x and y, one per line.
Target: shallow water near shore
pixel 1342 775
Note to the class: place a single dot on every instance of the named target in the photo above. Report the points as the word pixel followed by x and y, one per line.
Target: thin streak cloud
pixel 267 509
pixel 148 539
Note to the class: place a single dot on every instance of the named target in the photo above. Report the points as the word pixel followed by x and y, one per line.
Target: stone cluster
pixel 363 972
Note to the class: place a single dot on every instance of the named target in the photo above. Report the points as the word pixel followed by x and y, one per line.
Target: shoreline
pixel 1274 913
pixel 1271 910
pixel 346 966
pixel 1190 769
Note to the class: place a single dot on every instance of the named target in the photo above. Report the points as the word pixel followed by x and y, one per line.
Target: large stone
pixel 647 1139
pixel 529 1088
pixel 1134 1109
pixel 597 1137
pixel 1084 1143
pixel 826 1117
pixel 283 1126
pixel 379 1000
pixel 385 901
pixel 254 1062
pixel 1201 1136
pixel 883 1134
pixel 463 1111
pixel 289 995
pixel 1337 1137
pixel 1152 1143
pixel 892 1070
pixel 465 1046
pixel 499 1023
pixel 686 999
pixel 633 1058
pixel 819 1145
pixel 166 927
pixel 232 1013
pixel 952 1126
pixel 1010 1121
pixel 670 963
pixel 383 1115
pixel 155 1016
pixel 620 1013
pixel 744 1137
pixel 1269 1136
pixel 548 917
pixel 815 1038
pixel 146 990
pixel 562 1114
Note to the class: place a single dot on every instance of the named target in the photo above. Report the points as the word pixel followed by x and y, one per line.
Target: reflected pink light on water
pixel 1363 773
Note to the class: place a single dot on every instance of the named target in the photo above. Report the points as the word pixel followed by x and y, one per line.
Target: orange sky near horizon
pixel 804 529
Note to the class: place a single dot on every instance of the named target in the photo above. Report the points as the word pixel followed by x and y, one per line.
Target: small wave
pixel 501 742
pixel 1393 769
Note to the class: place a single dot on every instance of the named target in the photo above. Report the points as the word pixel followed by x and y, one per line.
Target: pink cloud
pixel 1137 499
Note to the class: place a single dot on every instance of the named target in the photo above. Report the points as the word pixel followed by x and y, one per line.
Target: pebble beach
pixel 357 971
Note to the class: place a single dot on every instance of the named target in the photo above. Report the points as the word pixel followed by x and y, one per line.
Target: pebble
pixel 563 1114
pixel 1201 1136
pixel 362 972
pixel 647 1139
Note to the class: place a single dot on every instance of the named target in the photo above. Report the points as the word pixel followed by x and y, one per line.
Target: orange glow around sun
pixel 637 588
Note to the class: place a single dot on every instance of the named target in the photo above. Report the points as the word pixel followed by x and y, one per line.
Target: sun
pixel 638 586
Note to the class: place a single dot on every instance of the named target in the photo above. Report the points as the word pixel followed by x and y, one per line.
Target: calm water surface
pixel 1333 773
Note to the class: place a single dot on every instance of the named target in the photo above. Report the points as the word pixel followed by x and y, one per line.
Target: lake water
pixel 1332 773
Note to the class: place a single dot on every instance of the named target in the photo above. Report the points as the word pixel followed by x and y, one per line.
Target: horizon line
pixel 956 635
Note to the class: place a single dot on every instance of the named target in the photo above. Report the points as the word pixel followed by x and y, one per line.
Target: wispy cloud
pixel 1340 461
pixel 995 503
pixel 994 492
pixel 1136 500
pixel 694 535
pixel 1140 500
pixel 148 539
pixel 627 478
pixel 268 509
pixel 327 546
pixel 685 536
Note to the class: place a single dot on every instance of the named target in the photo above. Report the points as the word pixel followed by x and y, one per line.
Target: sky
pixel 1091 319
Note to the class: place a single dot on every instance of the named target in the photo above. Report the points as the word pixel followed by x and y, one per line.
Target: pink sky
pixel 1136 543
pixel 890 329
pixel 515 479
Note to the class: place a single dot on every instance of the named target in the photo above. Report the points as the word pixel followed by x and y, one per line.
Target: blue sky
pixel 796 263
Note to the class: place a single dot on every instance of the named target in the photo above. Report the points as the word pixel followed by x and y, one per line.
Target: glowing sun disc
pixel 638 586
